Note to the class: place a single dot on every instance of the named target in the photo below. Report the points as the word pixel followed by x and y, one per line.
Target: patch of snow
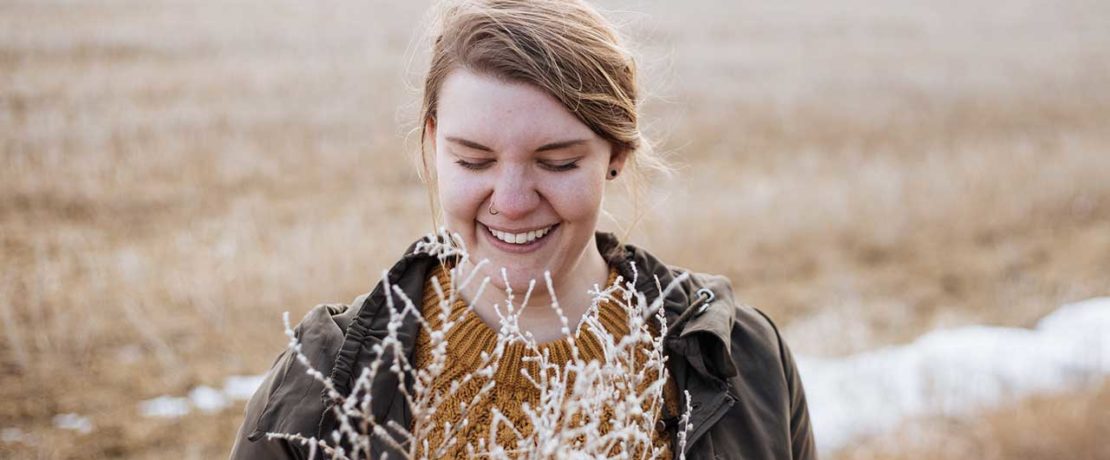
pixel 241 387
pixel 203 398
pixel 208 399
pixel 164 407
pixel 75 422
pixel 1088 324
pixel 955 372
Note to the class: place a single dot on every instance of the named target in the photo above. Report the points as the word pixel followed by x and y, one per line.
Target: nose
pixel 514 193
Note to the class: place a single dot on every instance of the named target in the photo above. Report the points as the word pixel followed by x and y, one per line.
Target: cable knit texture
pixel 470 337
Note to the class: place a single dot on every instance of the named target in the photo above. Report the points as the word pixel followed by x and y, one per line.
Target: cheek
pixel 459 195
pixel 577 198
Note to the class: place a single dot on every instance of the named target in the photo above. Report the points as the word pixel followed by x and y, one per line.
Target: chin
pixel 519 277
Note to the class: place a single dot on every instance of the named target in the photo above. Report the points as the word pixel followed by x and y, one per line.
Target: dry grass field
pixel 175 174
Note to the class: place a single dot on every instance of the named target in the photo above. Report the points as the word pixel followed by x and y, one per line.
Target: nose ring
pixel 491 210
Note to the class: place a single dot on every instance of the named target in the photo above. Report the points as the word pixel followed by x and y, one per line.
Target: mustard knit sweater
pixel 469 338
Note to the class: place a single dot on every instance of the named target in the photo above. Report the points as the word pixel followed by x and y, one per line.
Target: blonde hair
pixel 563 47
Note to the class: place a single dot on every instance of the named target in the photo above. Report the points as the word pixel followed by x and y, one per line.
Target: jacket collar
pixel 700 332
pixel 697 338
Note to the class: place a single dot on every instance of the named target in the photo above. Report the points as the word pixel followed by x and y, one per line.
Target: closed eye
pixel 562 167
pixel 550 167
pixel 474 166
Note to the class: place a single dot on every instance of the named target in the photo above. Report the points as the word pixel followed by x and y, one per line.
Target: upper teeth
pixel 520 238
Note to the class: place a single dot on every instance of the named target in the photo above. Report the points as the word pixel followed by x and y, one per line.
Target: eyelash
pixel 469 165
pixel 554 168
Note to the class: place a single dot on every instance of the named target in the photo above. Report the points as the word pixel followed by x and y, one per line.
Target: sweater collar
pixel 699 330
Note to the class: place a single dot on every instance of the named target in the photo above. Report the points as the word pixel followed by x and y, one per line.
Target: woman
pixel 529 108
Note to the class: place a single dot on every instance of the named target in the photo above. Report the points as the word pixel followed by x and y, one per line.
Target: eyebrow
pixel 542 148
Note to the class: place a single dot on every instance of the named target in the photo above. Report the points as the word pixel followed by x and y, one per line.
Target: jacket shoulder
pixel 782 384
pixel 290 400
pixel 735 318
pixel 744 339
pixel 766 378
pixel 754 327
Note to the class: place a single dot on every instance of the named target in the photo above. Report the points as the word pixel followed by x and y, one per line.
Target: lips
pixel 521 237
pixel 530 241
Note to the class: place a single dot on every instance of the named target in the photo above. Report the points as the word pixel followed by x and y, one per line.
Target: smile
pixel 519 242
pixel 521 238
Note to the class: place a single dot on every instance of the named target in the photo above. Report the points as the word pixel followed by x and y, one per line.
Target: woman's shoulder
pixel 702 304
pixel 741 345
pixel 726 299
pixel 751 327
pixel 280 404
pixel 745 333
pixel 322 329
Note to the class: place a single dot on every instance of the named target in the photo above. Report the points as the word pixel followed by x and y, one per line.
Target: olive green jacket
pixel 745 392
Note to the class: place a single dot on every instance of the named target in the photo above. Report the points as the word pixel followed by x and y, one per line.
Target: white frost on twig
pixel 624 390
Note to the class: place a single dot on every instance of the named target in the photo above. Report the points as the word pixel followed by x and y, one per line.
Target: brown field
pixel 174 175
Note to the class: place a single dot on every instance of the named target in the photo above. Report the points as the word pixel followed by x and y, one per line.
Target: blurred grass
pixel 174 175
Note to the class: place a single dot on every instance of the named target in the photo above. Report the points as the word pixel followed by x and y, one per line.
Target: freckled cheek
pixel 460 197
pixel 576 199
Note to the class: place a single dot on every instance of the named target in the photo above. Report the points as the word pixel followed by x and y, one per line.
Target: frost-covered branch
pixel 602 407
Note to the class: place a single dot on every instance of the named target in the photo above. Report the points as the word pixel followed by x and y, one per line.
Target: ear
pixel 428 160
pixel 430 132
pixel 617 159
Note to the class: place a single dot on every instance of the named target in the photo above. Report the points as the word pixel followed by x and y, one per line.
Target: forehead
pixel 488 109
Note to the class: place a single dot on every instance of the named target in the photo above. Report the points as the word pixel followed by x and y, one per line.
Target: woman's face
pixel 543 170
